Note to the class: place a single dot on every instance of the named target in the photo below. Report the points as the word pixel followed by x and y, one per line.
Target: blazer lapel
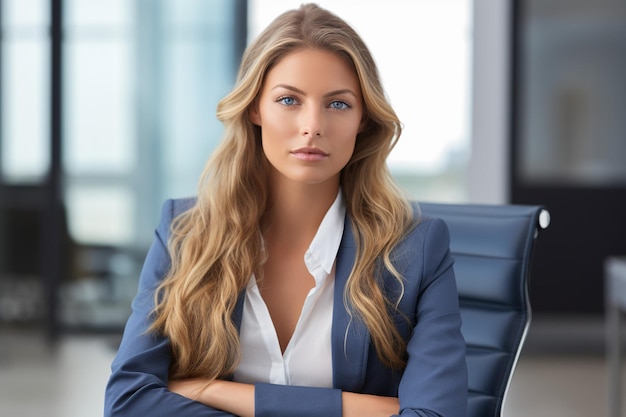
pixel 350 338
pixel 238 312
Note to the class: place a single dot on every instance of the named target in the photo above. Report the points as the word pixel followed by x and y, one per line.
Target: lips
pixel 309 154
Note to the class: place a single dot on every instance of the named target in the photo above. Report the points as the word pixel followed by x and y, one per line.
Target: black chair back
pixel 492 246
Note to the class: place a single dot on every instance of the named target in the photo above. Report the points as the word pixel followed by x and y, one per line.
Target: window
pixel 24 93
pixel 141 81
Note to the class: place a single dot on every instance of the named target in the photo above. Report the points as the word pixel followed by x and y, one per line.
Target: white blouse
pixel 307 360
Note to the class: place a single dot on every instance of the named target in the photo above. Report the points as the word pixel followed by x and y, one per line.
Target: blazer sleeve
pixel 272 400
pixel 139 373
pixel 434 382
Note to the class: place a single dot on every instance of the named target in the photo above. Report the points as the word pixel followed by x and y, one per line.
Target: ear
pixel 254 114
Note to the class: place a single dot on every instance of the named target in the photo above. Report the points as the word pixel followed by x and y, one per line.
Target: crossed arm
pixel 238 398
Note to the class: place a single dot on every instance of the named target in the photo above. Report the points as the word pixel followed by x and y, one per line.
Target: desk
pixel 615 302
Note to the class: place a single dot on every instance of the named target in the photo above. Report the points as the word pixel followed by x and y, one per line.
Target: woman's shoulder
pixel 427 227
pixel 173 207
pixel 170 210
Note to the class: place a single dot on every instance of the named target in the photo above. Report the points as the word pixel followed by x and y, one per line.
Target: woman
pixel 300 282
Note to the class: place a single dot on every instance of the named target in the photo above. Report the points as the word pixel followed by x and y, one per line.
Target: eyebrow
pixel 329 94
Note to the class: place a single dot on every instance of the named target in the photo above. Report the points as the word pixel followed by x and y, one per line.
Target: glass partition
pixel 25 91
pixel 141 81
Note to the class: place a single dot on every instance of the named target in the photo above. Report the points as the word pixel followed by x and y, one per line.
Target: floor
pixel 562 372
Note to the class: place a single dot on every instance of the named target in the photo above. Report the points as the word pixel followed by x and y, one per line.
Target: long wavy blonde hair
pixel 216 245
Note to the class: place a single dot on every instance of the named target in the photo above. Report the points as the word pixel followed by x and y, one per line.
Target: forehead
pixel 313 68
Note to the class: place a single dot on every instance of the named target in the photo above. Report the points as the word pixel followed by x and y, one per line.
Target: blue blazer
pixel 434 382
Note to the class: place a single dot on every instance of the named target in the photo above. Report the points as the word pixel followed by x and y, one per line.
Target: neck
pixel 296 212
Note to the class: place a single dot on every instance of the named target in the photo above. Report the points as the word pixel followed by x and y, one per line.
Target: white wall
pixel 488 172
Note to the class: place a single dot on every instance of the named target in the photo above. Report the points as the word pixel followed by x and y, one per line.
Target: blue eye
pixel 339 105
pixel 287 101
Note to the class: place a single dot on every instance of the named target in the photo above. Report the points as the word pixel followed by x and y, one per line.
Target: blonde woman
pixel 300 282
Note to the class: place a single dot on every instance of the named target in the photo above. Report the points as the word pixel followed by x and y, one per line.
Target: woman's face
pixel 310 111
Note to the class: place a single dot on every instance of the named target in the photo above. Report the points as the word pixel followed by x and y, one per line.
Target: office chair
pixel 492 247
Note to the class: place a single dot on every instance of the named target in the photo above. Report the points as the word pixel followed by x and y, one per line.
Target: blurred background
pixel 107 108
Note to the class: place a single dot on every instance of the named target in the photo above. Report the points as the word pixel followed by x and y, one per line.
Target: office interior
pixel 108 108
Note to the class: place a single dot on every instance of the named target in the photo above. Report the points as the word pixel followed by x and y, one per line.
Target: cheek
pixel 276 126
pixel 275 135
pixel 347 132
pixel 349 149
pixel 344 146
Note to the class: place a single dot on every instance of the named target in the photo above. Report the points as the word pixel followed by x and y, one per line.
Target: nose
pixel 312 122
